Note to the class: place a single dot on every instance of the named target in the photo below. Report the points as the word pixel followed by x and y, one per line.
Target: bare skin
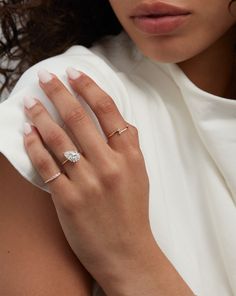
pixel 206 69
pixel 35 257
pixel 97 195
pixel 203 48
pixel 139 271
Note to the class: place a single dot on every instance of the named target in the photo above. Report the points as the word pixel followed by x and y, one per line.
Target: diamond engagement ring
pixel 72 156
pixel 118 131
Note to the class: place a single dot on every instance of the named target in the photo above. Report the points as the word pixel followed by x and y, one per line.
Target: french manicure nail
pixel 27 128
pixel 29 102
pixel 72 73
pixel 44 76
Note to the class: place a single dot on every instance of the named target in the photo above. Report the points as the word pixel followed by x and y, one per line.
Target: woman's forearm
pixel 146 272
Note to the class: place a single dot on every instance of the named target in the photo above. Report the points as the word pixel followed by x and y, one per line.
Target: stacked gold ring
pixel 74 156
pixel 118 131
pixel 52 178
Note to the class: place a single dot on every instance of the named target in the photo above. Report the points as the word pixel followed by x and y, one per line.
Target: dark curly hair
pixel 33 30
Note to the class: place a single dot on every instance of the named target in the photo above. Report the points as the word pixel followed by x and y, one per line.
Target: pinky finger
pixel 43 161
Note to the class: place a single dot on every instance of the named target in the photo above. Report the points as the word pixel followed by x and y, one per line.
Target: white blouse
pixel 188 138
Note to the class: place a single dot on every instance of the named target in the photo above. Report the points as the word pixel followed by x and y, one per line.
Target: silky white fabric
pixel 188 138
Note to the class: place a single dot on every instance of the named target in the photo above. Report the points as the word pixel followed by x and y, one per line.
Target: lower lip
pixel 159 25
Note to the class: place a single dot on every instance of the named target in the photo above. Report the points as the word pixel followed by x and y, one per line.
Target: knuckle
pixel 42 164
pixel 77 200
pixel 54 88
pixel 134 159
pixel 31 141
pixel 105 105
pixel 54 139
pixel 71 203
pixel 133 130
pixel 76 115
pixel 85 83
pixel 111 174
pixel 133 139
pixel 37 111
pixel 135 155
pixel 93 187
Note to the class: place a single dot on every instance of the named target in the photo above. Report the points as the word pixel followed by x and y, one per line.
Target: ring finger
pixel 43 161
pixel 53 135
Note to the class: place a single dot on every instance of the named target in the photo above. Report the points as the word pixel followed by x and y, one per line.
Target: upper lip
pixel 158 9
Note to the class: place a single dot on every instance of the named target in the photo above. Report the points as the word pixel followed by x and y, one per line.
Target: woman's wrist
pixel 146 272
pixel 120 274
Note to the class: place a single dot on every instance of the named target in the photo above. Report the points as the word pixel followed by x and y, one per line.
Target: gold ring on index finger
pixel 54 177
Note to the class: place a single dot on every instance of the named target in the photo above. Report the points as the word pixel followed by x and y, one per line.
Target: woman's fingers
pixel 75 117
pixel 102 105
pixel 53 135
pixel 43 161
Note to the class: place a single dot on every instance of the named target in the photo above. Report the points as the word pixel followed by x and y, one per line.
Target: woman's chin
pixel 166 55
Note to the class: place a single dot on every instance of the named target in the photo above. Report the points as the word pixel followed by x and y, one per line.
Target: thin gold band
pixel 52 178
pixel 65 161
pixel 118 131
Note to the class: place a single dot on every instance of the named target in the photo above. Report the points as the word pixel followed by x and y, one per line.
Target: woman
pixel 143 181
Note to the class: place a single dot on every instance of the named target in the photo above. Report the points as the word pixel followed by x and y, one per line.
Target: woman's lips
pixel 159 18
pixel 159 25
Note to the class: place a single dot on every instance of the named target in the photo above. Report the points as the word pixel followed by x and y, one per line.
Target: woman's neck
pixel 214 69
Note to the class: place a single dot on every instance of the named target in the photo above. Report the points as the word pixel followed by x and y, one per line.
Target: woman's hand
pixel 101 200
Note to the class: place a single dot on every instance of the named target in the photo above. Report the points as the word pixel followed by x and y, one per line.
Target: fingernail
pixel 29 102
pixel 72 73
pixel 44 76
pixel 27 128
